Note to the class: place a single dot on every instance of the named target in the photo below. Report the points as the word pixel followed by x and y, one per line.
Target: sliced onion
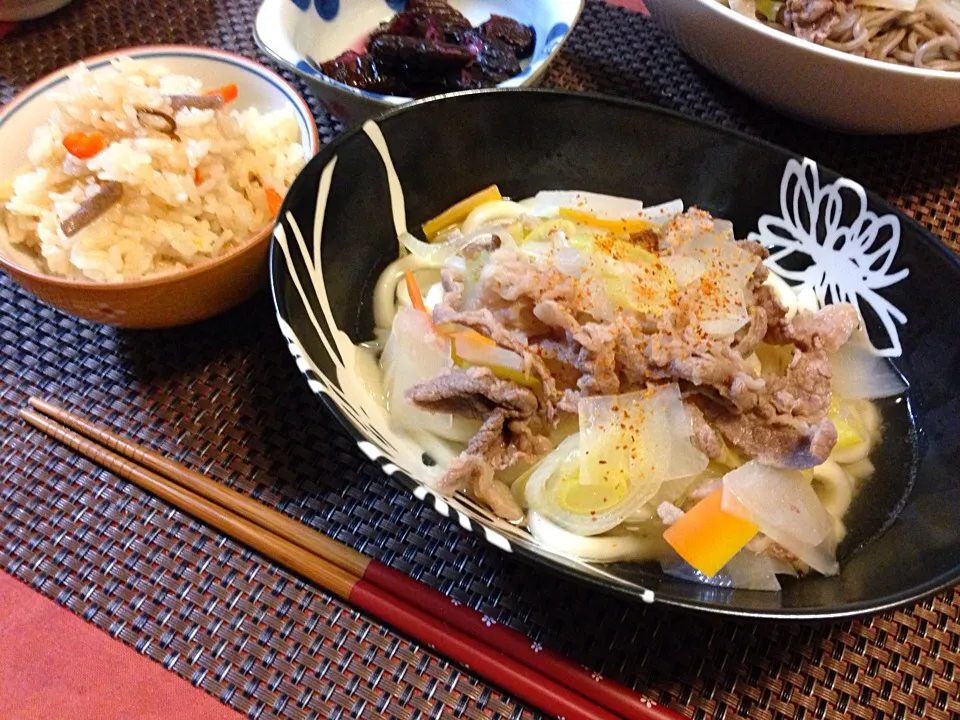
pixel 685 269
pixel 723 327
pixel 614 546
pixel 786 509
pixel 564 258
pixel 779 499
pixel 547 203
pixel 627 447
pixel 456 263
pixel 568 260
pixel 747 8
pixel 901 5
pixel 414 353
pixel 685 460
pixel 860 374
pixel 671 491
pixel 659 214
pixel 836 488
pixel 749 571
pixel 433 253
pixel 726 266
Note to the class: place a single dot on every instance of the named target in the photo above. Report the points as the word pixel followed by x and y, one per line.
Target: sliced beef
pixel 812 19
pixel 504 439
pixel 828 328
pixel 594 353
pixel 781 420
pixel 777 330
pixel 597 359
pixel 452 282
pixel 756 330
pixel 484 322
pixel 560 359
pixel 474 475
pixel 552 320
pixel 510 277
pixel 556 315
pixel 803 392
pixel 502 442
pixel 797 446
pixel 475 392
pixel 754 248
pixel 705 438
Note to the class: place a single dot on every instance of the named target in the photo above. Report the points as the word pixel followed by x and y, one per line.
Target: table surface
pixel 224 397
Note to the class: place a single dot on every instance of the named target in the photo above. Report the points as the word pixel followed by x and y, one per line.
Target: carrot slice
pixel 274 200
pixel 197 177
pixel 467 335
pixel 416 299
pixel 228 92
pixel 626 225
pixel 458 213
pixel 83 145
pixel 707 537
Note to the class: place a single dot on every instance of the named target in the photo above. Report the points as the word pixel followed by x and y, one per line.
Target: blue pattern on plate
pixel 327 9
pixel 307 68
pixel 302 4
pixel 396 5
pixel 553 37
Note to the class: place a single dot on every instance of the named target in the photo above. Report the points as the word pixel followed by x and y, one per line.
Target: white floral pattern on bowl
pixel 847 260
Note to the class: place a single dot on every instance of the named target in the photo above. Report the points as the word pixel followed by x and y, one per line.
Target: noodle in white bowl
pixel 917 33
pixel 841 76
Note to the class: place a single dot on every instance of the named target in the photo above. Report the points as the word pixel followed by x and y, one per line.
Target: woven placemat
pixel 224 397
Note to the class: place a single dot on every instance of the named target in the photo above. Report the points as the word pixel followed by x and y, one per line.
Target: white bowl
pixel 298 34
pixel 814 83
pixel 168 299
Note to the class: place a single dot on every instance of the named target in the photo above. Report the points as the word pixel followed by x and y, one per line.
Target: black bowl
pixel 904 539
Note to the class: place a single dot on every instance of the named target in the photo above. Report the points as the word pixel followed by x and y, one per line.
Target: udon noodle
pixel 923 34
pixel 589 368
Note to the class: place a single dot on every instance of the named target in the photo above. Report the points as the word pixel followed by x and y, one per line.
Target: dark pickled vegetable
pixel 358 71
pixel 200 102
pixel 431 48
pixel 417 55
pixel 158 120
pixel 92 208
pixel 507 30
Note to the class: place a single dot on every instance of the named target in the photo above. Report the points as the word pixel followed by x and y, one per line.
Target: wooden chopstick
pixel 343 570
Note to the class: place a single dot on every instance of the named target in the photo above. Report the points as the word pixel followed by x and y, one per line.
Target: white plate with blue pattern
pixel 298 34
